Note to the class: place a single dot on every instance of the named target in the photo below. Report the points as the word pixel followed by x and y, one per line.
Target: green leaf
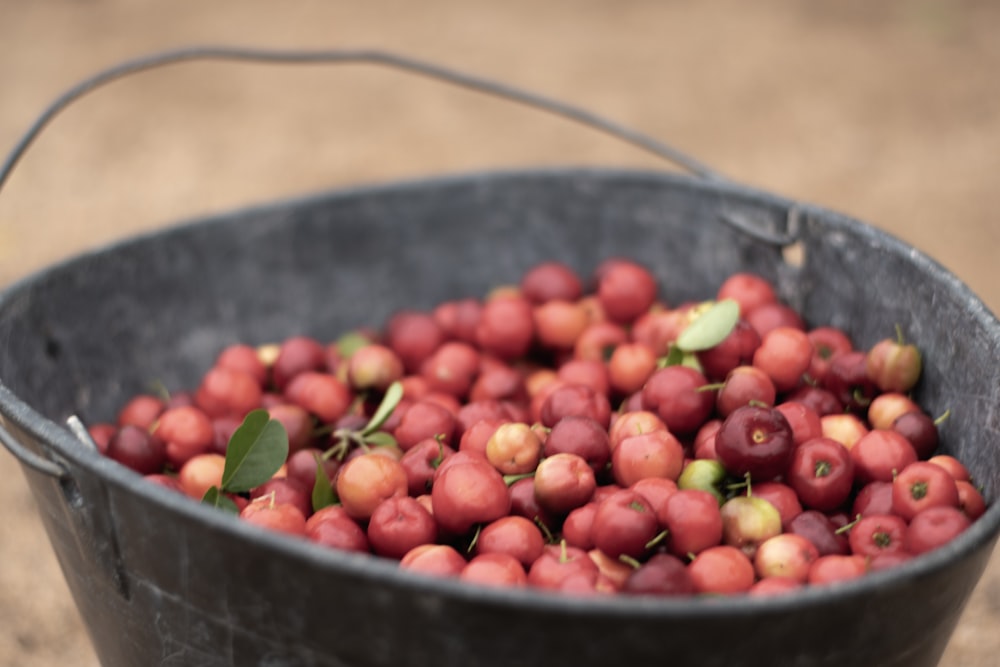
pixel 691 360
pixel 322 492
pixel 677 357
pixel 389 402
pixel 219 500
pixel 256 451
pixel 380 439
pixel 711 327
pixel 674 357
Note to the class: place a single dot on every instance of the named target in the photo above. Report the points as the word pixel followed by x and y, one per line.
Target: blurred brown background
pixel 888 111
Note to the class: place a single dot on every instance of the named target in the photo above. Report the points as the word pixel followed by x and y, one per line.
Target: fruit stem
pixel 474 540
pixel 662 535
pixel 439 459
pixel 546 533
pixel 943 417
pixel 845 528
pixel 631 562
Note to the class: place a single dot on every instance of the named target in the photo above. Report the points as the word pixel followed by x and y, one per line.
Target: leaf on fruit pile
pixel 389 402
pixel 322 492
pixel 677 357
pixel 380 439
pixel 256 451
pixel 219 500
pixel 711 327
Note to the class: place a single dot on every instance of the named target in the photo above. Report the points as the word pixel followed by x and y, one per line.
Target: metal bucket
pixel 161 580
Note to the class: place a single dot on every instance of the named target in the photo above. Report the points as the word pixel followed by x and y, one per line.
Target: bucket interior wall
pixel 158 310
pixel 84 336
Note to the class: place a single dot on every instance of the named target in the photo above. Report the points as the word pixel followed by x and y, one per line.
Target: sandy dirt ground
pixel 888 111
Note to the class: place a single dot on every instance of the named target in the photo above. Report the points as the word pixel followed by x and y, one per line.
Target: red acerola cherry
pixel 332 527
pixel 564 482
pixel 438 560
pixel 494 569
pixel 893 365
pixel 468 493
pixel 551 280
pixel 558 563
pixel 847 378
pixel 662 574
pixel 141 411
pixel 876 534
pixel 675 394
pixel 881 455
pixel 575 400
pixel 322 394
pixel 581 436
pixel 786 555
pixel 919 428
pixel 784 354
pixel 834 568
pixel 693 521
pixel 513 535
pixel 296 355
pixel 281 517
pixel 921 485
pixel 722 570
pixel 821 531
pixel 625 290
pixel 822 473
pixel 748 290
pixel 624 524
pixel 365 481
pixel 135 448
pixel 414 336
pixel 934 527
pixel 755 440
pixel 398 525
pixel 506 327
pixel 736 349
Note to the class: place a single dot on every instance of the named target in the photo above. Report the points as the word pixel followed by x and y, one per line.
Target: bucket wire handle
pixel 298 56
pixel 376 57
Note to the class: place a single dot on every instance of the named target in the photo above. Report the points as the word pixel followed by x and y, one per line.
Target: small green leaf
pixel 322 492
pixel 389 402
pixel 256 451
pixel 219 500
pixel 674 357
pixel 711 327
pixel 380 439
pixel 677 357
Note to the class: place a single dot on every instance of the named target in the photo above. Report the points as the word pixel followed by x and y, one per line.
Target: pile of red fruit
pixel 586 440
